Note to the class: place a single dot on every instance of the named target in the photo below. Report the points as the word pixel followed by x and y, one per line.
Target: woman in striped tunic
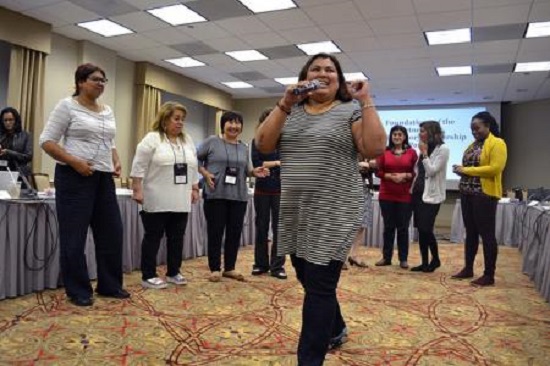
pixel 319 134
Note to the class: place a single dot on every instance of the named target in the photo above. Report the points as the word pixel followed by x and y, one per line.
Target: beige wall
pixel 21 30
pixel 125 112
pixel 251 110
pixel 526 130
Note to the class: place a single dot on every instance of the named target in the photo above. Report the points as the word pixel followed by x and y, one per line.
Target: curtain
pixel 26 93
pixel 148 105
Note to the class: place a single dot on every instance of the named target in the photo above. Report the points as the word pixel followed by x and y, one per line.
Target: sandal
pixel 234 275
pixel 215 277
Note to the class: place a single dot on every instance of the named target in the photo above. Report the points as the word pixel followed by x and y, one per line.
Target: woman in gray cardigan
pixel 428 191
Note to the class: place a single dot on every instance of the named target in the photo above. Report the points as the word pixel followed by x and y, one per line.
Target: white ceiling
pixel 382 38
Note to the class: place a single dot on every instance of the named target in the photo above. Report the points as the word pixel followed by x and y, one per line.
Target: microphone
pixel 303 89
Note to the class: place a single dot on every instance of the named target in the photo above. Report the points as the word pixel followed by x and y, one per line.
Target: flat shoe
pixel 382 262
pixel 215 277
pixel 464 273
pixel 280 275
pixel 358 263
pixel 118 294
pixel 234 275
pixel 81 301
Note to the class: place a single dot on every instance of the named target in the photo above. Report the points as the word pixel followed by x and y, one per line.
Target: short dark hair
pixel 17 126
pixel 82 73
pixel 490 121
pixel 230 116
pixel 342 94
pixel 405 142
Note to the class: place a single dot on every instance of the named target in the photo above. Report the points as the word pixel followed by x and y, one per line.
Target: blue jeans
pixel 82 202
pixel 321 315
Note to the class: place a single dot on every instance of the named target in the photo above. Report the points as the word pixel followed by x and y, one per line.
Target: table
pixel 29 250
pixel 506 232
pixel 533 227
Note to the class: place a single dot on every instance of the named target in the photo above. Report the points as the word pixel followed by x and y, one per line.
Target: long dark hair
pixel 488 120
pixel 342 94
pixel 435 134
pixel 82 73
pixel 17 126
pixel 403 129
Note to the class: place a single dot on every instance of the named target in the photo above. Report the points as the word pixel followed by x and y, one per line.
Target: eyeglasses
pixel 98 80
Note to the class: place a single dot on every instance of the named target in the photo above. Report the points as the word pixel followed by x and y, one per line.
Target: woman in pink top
pixel 396 173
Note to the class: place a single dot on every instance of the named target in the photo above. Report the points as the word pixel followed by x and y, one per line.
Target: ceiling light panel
pixel 177 15
pixel 454 70
pixel 237 85
pixel 355 76
pixel 540 29
pixel 105 27
pixel 247 55
pixel 287 81
pixel 451 36
pixel 185 62
pixel 319 47
pixel 262 6
pixel 532 66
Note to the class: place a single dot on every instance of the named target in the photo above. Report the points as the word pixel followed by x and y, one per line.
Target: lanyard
pixel 227 152
pixel 174 151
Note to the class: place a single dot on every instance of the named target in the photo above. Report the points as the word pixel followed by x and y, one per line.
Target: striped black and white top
pixel 321 190
pixel 86 134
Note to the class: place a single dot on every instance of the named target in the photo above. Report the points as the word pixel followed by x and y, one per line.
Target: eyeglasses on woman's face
pixel 98 80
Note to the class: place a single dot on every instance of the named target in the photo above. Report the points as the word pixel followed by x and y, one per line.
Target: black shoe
pixel 281 274
pixel 420 268
pixel 434 264
pixel 81 301
pixel 464 273
pixel 383 262
pixel 256 271
pixel 118 294
pixel 357 263
pixel 339 340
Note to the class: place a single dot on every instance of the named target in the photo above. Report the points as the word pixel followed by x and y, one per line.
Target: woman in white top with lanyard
pixel 85 189
pixel 165 181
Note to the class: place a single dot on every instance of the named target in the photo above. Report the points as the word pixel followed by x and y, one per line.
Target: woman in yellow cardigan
pixel 480 190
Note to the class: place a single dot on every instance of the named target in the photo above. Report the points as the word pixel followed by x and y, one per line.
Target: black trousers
pixel 156 224
pixel 267 210
pixel 82 202
pixel 321 315
pixel 479 214
pixel 223 216
pixel 397 216
pixel 424 221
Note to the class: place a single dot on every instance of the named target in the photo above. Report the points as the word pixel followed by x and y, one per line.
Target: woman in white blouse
pixel 85 190
pixel 165 181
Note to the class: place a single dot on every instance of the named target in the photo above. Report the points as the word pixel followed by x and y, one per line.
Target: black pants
pixel 321 315
pixel 479 215
pixel 424 221
pixel 267 209
pixel 397 216
pixel 156 224
pixel 224 216
pixel 82 202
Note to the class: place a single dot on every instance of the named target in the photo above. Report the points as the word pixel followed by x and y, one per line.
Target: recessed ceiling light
pixel 454 70
pixel 237 85
pixel 355 76
pixel 105 27
pixel 287 81
pixel 540 29
pixel 185 62
pixel 177 15
pixel 532 66
pixel 318 47
pixel 247 55
pixel 261 6
pixel 462 35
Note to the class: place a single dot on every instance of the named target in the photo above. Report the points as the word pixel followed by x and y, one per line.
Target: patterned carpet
pixel 395 317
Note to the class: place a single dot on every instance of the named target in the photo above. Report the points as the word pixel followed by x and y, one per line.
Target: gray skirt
pixel 367 210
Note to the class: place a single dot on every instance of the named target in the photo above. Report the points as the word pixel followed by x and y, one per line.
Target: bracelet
pixel 287 111
pixel 366 106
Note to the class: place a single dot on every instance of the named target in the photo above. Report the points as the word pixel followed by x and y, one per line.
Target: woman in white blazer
pixel 428 191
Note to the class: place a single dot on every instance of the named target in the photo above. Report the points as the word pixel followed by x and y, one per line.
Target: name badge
pixel 231 175
pixel 180 173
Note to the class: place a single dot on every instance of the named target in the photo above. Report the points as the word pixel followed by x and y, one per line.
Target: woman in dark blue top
pixel 267 197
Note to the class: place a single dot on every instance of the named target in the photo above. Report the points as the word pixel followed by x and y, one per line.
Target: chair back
pixel 41 181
